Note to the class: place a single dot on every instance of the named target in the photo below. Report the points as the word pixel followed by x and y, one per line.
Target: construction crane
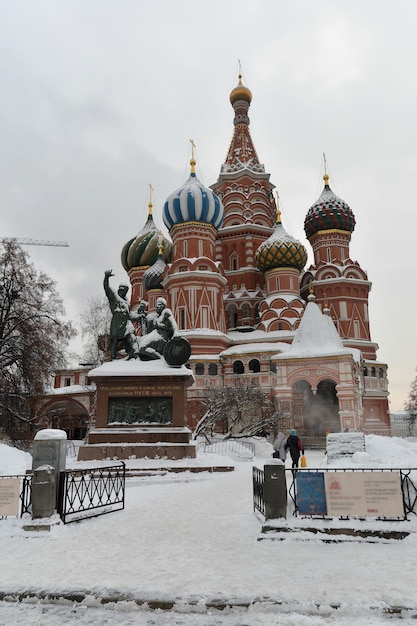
pixel 33 242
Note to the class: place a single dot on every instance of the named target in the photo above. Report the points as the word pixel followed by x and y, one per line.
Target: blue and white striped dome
pixel 193 203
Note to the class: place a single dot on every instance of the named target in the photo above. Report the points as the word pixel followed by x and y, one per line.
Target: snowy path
pixel 192 539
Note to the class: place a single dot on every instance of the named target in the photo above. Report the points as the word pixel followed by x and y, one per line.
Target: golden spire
pixel 240 92
pixel 326 176
pixel 278 219
pixel 240 75
pixel 160 244
pixel 192 161
pixel 310 287
pixel 150 205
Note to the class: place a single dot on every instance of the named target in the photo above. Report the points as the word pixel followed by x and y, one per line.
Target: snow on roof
pixel 204 357
pixel 239 291
pixel 260 336
pixel 317 336
pixel 202 331
pixel 249 348
pixel 71 390
pixel 136 367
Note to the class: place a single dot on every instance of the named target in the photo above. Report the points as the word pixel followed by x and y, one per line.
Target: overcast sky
pixel 101 97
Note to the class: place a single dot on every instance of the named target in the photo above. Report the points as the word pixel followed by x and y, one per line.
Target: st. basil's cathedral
pixel 239 291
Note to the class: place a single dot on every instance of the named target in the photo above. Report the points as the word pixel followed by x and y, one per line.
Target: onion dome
pixel 142 250
pixel 152 278
pixel 329 213
pixel 193 203
pixel 280 250
pixel 240 93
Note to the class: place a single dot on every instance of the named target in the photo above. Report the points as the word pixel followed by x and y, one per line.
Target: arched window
pixel 212 369
pixel 381 373
pixel 199 369
pixel 245 310
pixel 238 367
pixel 254 366
pixel 365 371
pixel 373 372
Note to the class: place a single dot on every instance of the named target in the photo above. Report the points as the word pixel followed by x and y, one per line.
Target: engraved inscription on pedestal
pixel 149 410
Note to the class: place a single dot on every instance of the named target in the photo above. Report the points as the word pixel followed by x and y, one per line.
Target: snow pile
pixel 344 445
pixel 392 452
pixel 50 433
pixel 13 461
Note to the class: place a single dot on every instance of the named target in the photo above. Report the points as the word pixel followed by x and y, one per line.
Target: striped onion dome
pixel 142 250
pixel 280 250
pixel 328 213
pixel 152 278
pixel 193 203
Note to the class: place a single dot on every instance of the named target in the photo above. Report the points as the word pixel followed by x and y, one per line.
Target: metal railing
pixel 25 495
pixel 230 446
pixel 258 490
pixel 91 492
pixel 408 480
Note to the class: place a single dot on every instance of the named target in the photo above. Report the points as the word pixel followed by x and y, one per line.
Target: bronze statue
pixel 160 329
pixel 159 333
pixel 121 326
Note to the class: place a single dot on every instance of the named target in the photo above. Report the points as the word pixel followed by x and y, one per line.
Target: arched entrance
pixel 317 411
pixel 65 414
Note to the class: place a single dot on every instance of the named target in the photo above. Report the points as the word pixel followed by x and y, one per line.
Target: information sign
pixel 9 496
pixel 311 497
pixel 364 494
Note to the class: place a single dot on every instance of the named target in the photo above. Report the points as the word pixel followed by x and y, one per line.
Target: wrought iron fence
pixel 408 480
pixel 258 490
pixel 408 484
pixel 25 495
pixel 91 492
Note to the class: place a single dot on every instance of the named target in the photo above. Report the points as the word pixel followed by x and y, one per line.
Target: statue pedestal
pixel 141 412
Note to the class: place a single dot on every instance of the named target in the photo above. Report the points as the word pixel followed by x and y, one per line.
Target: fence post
pixel 43 492
pixel 49 458
pixel 275 490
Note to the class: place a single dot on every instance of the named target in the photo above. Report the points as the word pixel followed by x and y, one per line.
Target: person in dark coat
pixel 295 446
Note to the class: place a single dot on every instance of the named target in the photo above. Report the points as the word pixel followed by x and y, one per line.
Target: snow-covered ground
pixel 190 540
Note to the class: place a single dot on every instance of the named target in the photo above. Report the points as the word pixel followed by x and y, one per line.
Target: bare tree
pixel 411 407
pixel 33 337
pixel 95 328
pixel 241 410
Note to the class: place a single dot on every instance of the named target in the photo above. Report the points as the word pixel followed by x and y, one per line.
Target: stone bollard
pixel 275 490
pixel 49 454
pixel 43 492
